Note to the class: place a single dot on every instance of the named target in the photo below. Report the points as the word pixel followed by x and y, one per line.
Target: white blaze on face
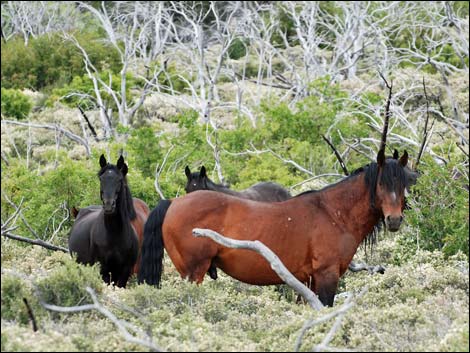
pixel 393 196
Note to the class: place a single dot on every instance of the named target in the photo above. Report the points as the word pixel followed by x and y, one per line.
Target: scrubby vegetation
pixel 262 117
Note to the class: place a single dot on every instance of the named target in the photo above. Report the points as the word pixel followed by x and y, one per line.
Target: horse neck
pixel 219 188
pixel 348 203
pixel 121 217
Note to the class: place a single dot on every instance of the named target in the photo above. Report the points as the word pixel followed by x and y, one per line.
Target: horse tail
pixel 151 263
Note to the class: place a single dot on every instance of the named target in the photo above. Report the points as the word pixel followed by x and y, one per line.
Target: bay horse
pixel 266 191
pixel 314 234
pixel 111 234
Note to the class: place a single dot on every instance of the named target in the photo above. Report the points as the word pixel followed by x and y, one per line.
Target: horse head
pixel 196 181
pixel 390 188
pixel 112 178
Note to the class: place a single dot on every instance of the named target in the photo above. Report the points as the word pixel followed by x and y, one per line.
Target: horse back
pixel 267 192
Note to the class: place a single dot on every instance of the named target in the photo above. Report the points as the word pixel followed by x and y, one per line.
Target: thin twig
pixel 387 112
pixel 30 314
pixel 340 160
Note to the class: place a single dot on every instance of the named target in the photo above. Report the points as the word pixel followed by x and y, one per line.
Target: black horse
pixel 266 191
pixel 105 234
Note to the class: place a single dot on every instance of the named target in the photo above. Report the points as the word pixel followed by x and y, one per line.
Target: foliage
pixel 426 299
pixel 14 291
pixel 436 189
pixel 50 61
pixel 15 104
pixel 72 183
pixel 237 48
pixel 419 304
pixel 65 285
pixel 86 97
pixel 172 81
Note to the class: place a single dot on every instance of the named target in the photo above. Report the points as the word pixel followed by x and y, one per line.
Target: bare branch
pixel 425 132
pixel 387 112
pixel 54 127
pixel 340 160
pixel 348 304
pixel 353 267
pixel 158 170
pixel 120 324
pixel 30 314
pixel 92 129
pixel 39 242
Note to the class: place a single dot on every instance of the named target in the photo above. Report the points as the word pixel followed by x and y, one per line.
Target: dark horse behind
pixel 111 234
pixel 266 191
pixel 315 234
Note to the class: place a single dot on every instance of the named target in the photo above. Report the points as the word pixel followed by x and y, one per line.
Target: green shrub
pixel 73 183
pixel 237 48
pixel 439 209
pixel 15 104
pixel 50 61
pixel 14 291
pixel 65 285
pixel 84 85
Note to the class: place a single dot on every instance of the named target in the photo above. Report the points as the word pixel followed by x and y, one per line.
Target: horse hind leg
pixel 212 272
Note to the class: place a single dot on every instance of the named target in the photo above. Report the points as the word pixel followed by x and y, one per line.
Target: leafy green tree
pixel 15 104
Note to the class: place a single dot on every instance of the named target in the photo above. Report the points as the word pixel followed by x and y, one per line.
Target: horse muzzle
pixel 109 206
pixel 393 223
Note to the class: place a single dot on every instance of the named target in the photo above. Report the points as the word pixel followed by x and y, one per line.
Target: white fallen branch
pixel 121 325
pixel 339 313
pixel 270 256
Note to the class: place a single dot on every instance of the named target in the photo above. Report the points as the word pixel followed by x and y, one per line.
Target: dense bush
pixel 65 285
pixel 86 97
pixel 440 209
pixel 15 104
pixel 50 61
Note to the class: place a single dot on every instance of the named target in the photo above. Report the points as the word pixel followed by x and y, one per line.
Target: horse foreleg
pixel 123 277
pixel 325 284
pixel 105 274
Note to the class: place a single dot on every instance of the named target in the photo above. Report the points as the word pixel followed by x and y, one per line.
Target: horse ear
pixel 202 173
pixel 103 161
pixel 187 171
pixel 120 162
pixel 395 154
pixel 404 159
pixel 124 169
pixel 381 158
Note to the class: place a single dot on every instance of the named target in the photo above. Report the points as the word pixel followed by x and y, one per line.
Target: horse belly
pixel 247 266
